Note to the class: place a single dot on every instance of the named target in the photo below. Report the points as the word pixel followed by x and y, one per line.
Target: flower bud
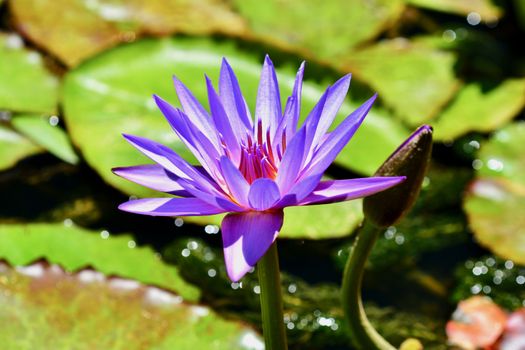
pixel 411 159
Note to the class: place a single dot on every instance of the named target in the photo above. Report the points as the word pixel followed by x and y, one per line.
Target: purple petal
pixel 232 99
pixel 246 238
pixel 170 207
pixel 334 100
pixel 236 182
pixel 343 190
pixel 152 176
pixel 299 191
pixel 295 108
pixel 232 139
pixel 337 140
pixel 268 107
pixel 291 162
pixel 199 116
pixel 264 193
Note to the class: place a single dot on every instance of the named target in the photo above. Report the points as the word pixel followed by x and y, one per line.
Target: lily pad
pixel 414 80
pixel 50 137
pixel 503 155
pixel 74 248
pixel 322 30
pixel 30 87
pixel 14 147
pixel 105 98
pixel 74 30
pixel 44 305
pixel 479 109
pixel 485 8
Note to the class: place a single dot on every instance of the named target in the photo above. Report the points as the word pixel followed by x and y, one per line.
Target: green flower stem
pixel 271 300
pixel 361 331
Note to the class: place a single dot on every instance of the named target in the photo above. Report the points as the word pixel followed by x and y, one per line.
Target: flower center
pixel 258 160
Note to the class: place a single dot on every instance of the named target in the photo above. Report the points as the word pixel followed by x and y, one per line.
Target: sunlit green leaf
pixel 481 109
pixel 45 307
pixel 105 98
pixel 74 30
pixel 75 248
pixel 324 30
pixel 485 8
pixel 26 85
pixel 14 147
pixel 414 80
pixel 50 137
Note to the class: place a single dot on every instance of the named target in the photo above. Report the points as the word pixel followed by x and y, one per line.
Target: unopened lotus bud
pixel 411 159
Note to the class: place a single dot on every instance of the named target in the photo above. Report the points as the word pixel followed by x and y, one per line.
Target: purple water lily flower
pixel 251 168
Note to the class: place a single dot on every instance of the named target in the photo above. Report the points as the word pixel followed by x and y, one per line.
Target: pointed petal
pixel 295 108
pixel 246 238
pixel 237 184
pixel 343 190
pixel 268 107
pixel 196 111
pixel 337 140
pixel 170 207
pixel 299 191
pixel 232 139
pixel 152 176
pixel 334 100
pixel 263 194
pixel 233 100
pixel 292 162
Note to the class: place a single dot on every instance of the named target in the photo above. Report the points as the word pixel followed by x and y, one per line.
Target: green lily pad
pixel 44 305
pixel 105 98
pixel 414 80
pixel 319 29
pixel 14 147
pixel 50 137
pixel 485 8
pixel 495 211
pixel 74 30
pixel 30 87
pixel 74 248
pixel 477 109
pixel 309 222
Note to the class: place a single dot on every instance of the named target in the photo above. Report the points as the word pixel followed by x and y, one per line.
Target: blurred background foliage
pixel 76 74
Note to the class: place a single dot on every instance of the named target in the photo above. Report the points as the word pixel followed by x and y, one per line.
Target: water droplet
pixel 509 264
pixel 290 325
pixel 192 245
pixel 477 164
pixel 474 144
pixel 487 289
pixel 234 285
pixel 292 288
pixel 212 273
pixel 473 18
pixel 520 279
pixel 104 234
pixel 449 35
pixel 390 232
pixel 495 164
pixel 490 262
pixel 257 290
pixel 334 327
pixel 68 222
pixel 53 120
pixel 475 289
pixel 132 244
pixel 185 252
pixel 400 239
pixel 179 222
pixel 476 271
pixel 497 280
pixel 211 229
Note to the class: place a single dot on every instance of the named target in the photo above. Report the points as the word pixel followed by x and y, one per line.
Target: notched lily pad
pixel 44 305
pixel 26 85
pixel 414 80
pixel 74 30
pixel 14 147
pixel 477 108
pixel 75 248
pixel 51 137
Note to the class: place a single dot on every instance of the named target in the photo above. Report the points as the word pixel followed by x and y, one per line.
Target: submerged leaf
pixel 44 305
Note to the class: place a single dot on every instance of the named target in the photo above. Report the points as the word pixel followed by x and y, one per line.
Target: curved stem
pixel 363 334
pixel 271 300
